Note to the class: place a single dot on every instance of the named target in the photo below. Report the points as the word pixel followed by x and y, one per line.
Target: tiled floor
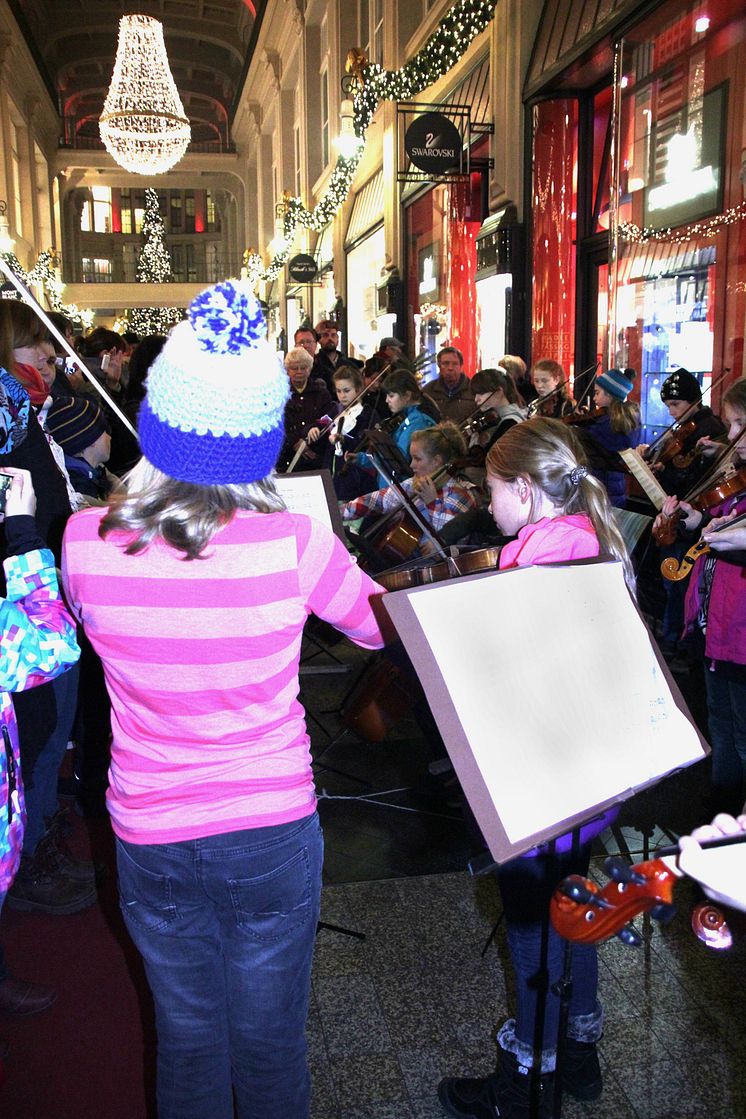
pixel 416 1001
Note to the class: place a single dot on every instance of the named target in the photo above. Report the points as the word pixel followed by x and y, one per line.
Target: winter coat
pixel 38 643
pixel 455 404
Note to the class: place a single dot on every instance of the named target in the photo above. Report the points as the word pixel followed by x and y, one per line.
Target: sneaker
pixel 40 888
pixel 505 1094
pixel 581 1072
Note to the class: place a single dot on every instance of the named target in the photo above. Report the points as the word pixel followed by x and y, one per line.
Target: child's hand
pixel 720 870
pixel 708 447
pixel 20 500
pixel 313 435
pixel 723 539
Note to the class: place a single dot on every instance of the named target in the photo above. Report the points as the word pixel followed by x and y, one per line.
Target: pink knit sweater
pixel 201 661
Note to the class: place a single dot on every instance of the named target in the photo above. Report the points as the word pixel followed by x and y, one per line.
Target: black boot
pixel 581 1072
pixel 505 1094
pixel 54 849
pixel 40 888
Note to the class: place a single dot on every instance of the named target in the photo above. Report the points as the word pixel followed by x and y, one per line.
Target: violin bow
pixel 28 298
pixel 590 369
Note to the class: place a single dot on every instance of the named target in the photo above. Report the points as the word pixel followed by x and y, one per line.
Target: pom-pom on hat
pixel 681 385
pixel 75 423
pixel 616 383
pixel 216 393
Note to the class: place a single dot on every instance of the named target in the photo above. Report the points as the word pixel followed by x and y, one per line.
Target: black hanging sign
pixel 433 143
pixel 303 269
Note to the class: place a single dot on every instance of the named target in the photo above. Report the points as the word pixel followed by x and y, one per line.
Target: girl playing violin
pixel 615 428
pixel 554 398
pixel 436 494
pixel 715 609
pixel 495 392
pixel 352 421
pixel 543 494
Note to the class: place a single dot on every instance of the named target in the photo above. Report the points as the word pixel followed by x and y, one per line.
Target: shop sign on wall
pixel 434 142
pixel 303 269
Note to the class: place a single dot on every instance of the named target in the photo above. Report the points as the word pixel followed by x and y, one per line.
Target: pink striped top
pixel 201 662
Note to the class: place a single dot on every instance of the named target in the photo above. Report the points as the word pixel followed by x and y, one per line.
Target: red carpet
pixel 92 1053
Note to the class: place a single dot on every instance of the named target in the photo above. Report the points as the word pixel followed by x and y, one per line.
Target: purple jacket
pixel 725 639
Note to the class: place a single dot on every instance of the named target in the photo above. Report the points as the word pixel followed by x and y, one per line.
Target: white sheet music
pixel 305 493
pixel 560 695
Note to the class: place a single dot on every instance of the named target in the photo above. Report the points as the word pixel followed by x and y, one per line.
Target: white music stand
pixel 499 657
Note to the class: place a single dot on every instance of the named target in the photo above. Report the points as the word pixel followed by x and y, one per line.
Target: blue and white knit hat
pixel 616 383
pixel 216 393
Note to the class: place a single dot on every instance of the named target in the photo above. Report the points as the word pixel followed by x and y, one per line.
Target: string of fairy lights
pixel 45 273
pixel 639 235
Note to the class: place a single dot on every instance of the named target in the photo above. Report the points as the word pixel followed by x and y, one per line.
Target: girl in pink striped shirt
pixel 194 588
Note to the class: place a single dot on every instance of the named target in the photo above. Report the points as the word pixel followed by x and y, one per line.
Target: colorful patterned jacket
pixel 37 638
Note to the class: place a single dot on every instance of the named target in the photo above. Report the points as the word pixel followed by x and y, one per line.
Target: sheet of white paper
pixel 305 494
pixel 574 707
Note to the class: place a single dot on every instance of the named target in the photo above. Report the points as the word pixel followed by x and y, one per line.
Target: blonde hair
pixel 299 356
pixel 735 395
pixel 547 453
pixel 624 416
pixel 444 440
pixel 183 515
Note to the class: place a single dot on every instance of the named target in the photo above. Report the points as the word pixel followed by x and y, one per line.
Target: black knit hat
pixel 75 423
pixel 681 385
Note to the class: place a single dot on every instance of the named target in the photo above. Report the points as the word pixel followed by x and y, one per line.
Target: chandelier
pixel 143 125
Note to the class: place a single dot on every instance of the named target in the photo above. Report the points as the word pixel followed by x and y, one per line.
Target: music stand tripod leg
pixel 339 929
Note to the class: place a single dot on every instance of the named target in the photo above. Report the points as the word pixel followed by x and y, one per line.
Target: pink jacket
pixel 725 639
pixel 552 540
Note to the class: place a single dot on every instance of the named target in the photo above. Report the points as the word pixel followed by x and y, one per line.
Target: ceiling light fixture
pixel 143 125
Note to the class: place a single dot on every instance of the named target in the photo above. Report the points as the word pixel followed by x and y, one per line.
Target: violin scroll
pixel 674 571
pixel 583 912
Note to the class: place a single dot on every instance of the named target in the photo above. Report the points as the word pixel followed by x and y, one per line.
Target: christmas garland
pixel 44 272
pixel 458 28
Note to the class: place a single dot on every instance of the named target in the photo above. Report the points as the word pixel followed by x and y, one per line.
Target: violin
pixel 585 913
pixel 672 448
pixel 674 571
pixel 579 419
pixel 468 563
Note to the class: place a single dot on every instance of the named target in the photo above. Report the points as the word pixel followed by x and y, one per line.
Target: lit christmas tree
pixel 153 267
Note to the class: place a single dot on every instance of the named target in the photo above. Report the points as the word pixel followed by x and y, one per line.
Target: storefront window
pixel 554 222
pixel 442 227
pixel 365 268
pixel 681 260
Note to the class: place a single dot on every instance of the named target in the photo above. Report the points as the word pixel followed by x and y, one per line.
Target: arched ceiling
pixel 207 41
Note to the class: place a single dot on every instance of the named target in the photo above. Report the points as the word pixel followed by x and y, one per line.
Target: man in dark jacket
pixel 328 358
pixel 451 389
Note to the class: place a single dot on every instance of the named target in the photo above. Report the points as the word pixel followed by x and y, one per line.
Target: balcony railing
pixel 76 142
pixel 222 267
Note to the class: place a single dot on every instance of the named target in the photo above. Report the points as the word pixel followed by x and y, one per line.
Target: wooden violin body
pixel 468 563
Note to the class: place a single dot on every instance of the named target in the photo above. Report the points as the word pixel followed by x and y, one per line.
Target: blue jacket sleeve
pixel 36 631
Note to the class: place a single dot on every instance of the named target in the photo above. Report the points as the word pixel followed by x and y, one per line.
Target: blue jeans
pixel 726 719
pixel 537 955
pixel 226 928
